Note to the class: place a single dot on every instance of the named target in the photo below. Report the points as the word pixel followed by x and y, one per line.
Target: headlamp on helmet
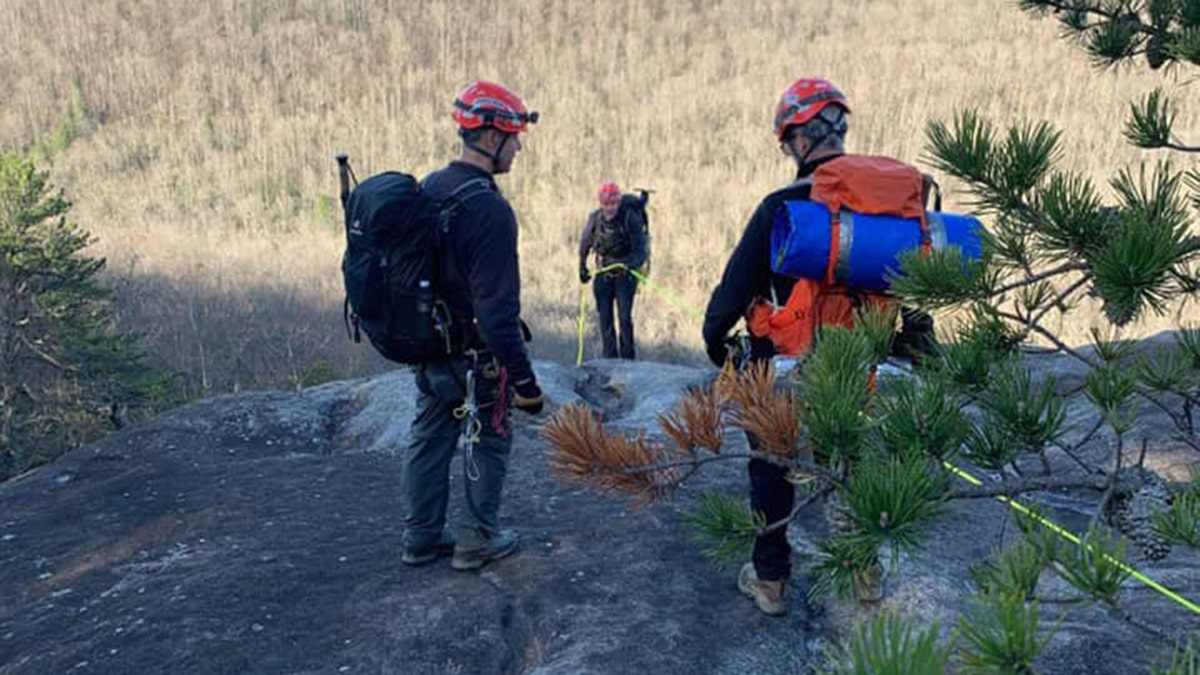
pixel 487 104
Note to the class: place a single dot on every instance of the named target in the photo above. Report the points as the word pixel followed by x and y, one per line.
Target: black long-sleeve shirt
pixel 748 272
pixel 481 279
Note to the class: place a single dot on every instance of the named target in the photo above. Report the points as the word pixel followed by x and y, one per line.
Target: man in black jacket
pixel 491 370
pixel 810 123
pixel 617 234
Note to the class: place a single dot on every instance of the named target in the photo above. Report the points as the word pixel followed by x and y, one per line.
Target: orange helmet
pixel 487 104
pixel 803 100
pixel 610 194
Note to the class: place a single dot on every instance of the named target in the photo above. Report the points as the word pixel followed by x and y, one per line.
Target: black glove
pixel 529 397
pixel 716 352
pixel 526 334
pixel 916 338
pixel 584 275
pixel 736 347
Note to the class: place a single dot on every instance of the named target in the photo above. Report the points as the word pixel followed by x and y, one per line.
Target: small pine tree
pixel 65 373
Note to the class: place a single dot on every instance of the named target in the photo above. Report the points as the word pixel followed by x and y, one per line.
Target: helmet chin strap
pixel 817 136
pixel 802 160
pixel 813 144
pixel 494 157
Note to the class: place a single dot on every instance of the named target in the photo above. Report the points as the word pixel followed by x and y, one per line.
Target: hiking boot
pixel 482 549
pixel 768 596
pixel 443 547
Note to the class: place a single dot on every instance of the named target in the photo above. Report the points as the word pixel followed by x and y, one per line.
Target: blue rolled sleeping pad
pixel 869 246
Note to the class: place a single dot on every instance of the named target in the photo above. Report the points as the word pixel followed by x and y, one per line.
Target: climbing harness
pixel 471 428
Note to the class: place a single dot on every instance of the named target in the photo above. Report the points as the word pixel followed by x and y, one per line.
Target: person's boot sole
pixel 481 558
pixel 744 585
pixel 419 560
pixel 441 549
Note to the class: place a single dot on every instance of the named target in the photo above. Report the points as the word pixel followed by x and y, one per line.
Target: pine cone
pixel 838 518
pixel 1132 513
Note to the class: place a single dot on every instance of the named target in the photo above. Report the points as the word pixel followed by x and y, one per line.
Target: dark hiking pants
pixel 621 287
pixel 435 436
pixel 773 496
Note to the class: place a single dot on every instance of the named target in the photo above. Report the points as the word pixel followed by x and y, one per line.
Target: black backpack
pixel 637 203
pixel 391 265
pixel 631 203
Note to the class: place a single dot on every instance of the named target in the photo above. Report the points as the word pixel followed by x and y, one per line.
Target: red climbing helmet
pixel 487 104
pixel 803 100
pixel 609 193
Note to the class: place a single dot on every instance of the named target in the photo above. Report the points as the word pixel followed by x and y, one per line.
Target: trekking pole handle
pixel 343 161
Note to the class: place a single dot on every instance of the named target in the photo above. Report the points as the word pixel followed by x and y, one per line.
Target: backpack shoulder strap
pixel 466 191
pixel 807 180
pixel 931 186
pixel 461 195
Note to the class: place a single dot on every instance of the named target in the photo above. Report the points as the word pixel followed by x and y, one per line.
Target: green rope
pixel 679 304
pixel 1071 537
pixel 581 322
pixel 1065 534
pixel 642 279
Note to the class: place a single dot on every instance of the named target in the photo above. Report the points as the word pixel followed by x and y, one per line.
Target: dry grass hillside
pixel 196 138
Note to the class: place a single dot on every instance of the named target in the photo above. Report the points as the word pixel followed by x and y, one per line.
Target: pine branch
pixel 1054 339
pixel 44 357
pixel 1062 297
pixel 1179 419
pixel 696 421
pixel 893 499
pixel 783 522
pixel 1111 490
pixel 1000 632
pixel 1075 6
pixel 765 411
pixel 1041 276
pixel 1165 31
pixel 582 451
pixel 724 525
pixel 1070 451
pixel 1030 484
pixel 1182 148
pixel 800 467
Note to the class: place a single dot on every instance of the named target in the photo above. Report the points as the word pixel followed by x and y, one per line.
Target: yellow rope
pixel 581 322
pixel 1069 536
pixel 1170 594
pixel 679 304
pixel 642 279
